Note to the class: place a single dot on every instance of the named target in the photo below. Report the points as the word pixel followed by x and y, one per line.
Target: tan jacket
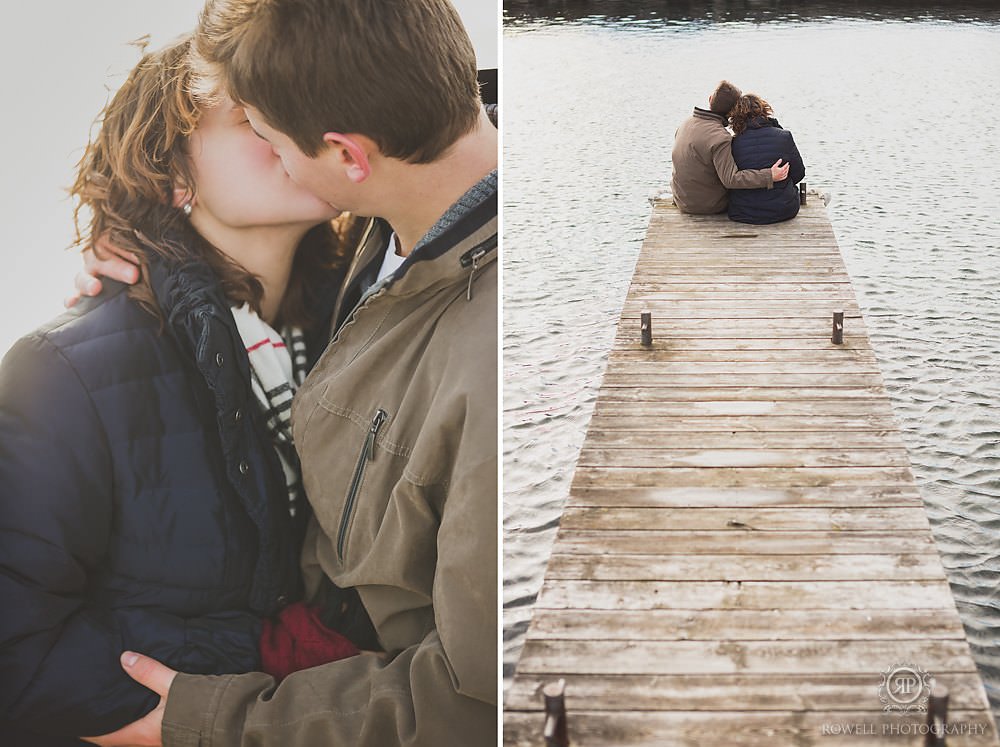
pixel 397 430
pixel 703 166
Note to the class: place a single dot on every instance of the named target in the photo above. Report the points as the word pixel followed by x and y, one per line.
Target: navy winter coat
pixel 758 147
pixel 142 507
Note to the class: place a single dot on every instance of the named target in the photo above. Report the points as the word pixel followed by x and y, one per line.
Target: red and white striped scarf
pixel 277 366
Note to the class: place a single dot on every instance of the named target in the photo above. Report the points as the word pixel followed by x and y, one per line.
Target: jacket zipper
pixel 367 455
pixel 474 256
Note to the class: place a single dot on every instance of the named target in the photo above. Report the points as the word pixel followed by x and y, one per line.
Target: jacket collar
pixel 757 122
pixel 471 239
pixel 197 315
pixel 710 115
pixel 457 254
pixel 184 287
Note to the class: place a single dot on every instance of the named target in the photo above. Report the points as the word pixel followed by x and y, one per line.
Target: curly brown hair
pixel 124 187
pixel 748 106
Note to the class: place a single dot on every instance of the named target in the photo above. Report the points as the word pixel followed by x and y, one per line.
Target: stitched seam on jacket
pixel 363 422
pixel 211 714
pixel 312 714
pixel 423 482
pixel 90 399
pixel 394 448
pixel 304 430
pixel 345 412
pixel 421 479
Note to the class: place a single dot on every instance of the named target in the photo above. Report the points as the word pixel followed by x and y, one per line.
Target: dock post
pixel 802 193
pixel 555 731
pixel 646 327
pixel 937 717
pixel 838 328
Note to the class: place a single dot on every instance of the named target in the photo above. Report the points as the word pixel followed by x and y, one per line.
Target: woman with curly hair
pixel 759 141
pixel 151 497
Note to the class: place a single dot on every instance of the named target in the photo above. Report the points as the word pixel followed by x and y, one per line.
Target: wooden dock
pixel 744 556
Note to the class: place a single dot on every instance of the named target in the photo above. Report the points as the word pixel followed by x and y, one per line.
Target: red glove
pixel 298 640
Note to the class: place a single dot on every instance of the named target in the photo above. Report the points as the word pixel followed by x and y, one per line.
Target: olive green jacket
pixel 396 427
pixel 703 167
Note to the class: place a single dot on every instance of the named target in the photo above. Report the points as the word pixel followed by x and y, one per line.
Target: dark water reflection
pixel 892 110
pixel 688 15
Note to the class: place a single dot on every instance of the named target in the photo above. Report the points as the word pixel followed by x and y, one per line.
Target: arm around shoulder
pixel 730 176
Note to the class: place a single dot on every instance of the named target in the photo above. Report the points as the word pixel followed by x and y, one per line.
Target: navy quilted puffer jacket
pixel 142 507
pixel 758 147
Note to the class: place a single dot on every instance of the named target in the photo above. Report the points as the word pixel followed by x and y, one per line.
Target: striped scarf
pixel 277 368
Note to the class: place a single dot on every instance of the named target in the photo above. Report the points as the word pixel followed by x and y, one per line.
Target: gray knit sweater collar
pixel 474 196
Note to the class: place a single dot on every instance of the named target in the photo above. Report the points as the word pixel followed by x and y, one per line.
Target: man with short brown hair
pixel 703 167
pixel 402 73
pixel 373 106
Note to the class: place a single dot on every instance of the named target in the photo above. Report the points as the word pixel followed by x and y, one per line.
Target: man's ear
pixel 351 152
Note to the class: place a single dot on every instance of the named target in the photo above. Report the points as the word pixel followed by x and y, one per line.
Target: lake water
pixel 894 115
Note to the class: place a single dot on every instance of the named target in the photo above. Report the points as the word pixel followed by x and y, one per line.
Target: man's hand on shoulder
pixel 104 260
pixel 147 731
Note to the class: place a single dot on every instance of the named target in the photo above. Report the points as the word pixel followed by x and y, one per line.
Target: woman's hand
pixel 146 732
pixel 104 260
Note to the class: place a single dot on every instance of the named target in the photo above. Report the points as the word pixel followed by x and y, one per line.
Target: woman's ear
pixel 182 197
pixel 351 152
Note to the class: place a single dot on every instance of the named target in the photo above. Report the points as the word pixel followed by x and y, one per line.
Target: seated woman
pixel 151 495
pixel 759 141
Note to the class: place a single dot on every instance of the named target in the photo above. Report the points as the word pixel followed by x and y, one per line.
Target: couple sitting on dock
pixel 752 175
pixel 190 555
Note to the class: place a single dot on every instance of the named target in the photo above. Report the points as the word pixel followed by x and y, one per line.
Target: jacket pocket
pixel 367 455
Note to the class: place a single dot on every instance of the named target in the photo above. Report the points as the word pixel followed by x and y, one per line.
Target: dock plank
pixel 652 441
pixel 747 497
pixel 761 595
pixel 747 625
pixel 750 729
pixel 754 519
pixel 741 657
pixel 760 567
pixel 724 692
pixel 740 542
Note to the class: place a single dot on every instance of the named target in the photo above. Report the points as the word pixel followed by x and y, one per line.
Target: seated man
pixel 704 169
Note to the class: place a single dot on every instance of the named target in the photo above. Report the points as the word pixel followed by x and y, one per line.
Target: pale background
pixel 58 62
